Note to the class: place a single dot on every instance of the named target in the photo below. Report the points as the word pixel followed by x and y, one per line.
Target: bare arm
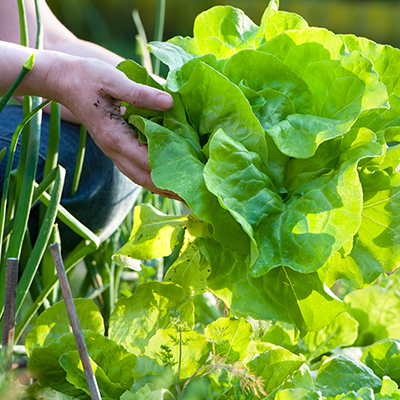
pixel 90 88
pixel 56 36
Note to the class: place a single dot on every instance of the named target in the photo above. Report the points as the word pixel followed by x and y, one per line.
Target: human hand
pixel 93 91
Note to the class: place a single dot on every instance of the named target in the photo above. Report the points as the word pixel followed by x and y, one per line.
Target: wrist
pixel 48 75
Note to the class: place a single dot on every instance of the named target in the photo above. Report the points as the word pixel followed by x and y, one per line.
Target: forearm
pixel 39 81
pixel 82 48
pixel 56 36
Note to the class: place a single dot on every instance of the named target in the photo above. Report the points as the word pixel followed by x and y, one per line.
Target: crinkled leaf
pixel 180 170
pixel 72 364
pixel 275 366
pixel 376 248
pixel 319 58
pixel 117 364
pixel 382 120
pixel 386 59
pixel 191 268
pixel 261 71
pixel 282 294
pixel 137 318
pixel 54 323
pixel 303 233
pixel 237 177
pixel 154 234
pixel 274 22
pixel 330 154
pixel 383 358
pixel 223 31
pixel 341 374
pixel 209 110
pixel 315 223
pixel 176 120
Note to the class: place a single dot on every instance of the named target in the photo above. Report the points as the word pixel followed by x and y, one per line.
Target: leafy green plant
pixel 283 143
pixel 151 344
pixel 155 349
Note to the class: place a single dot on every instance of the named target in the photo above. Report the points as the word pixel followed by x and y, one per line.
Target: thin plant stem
pixel 79 161
pixel 22 23
pixel 141 39
pixel 39 32
pixel 54 141
pixel 26 104
pixel 159 30
pixel 47 269
pixel 75 324
pixel 10 296
pixel 179 364
pixel 80 252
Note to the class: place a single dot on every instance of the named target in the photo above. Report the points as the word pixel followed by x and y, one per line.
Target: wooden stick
pixel 73 317
pixel 10 297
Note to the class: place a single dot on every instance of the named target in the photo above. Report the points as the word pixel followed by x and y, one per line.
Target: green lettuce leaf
pixel 274 366
pixel 153 235
pixel 191 269
pixel 223 31
pixel 54 323
pixel 115 362
pixel 278 142
pixel 274 22
pixel 182 159
pixel 386 59
pixel 263 71
pixel 341 374
pixel 376 248
pixel 319 58
pixel 137 318
pixel 281 295
pixel 75 374
pixel 383 358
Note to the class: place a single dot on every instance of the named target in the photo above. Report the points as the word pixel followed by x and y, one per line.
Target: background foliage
pixel 110 23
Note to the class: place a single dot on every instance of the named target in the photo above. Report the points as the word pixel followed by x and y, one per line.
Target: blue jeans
pixel 104 196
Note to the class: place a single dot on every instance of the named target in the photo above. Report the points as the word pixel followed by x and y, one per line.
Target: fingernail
pixel 164 101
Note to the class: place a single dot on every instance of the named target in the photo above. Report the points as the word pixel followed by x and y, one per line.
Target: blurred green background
pixel 110 23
